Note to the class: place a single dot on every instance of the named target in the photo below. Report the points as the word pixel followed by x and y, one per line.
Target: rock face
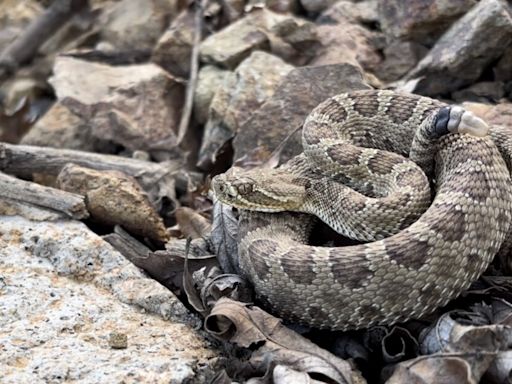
pixel 67 296
pixel 417 19
pixel 461 54
pixel 299 92
pixel 135 106
pixel 253 82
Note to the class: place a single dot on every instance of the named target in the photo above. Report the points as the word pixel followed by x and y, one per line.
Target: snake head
pixel 264 190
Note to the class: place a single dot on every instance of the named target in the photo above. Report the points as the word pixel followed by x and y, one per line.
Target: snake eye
pixel 244 188
pixel 221 188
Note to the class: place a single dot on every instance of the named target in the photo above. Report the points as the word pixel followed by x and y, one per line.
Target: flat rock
pixel 420 19
pixel 136 24
pixel 253 82
pixel 69 300
pixel 135 106
pixel 209 79
pixel 15 16
pixel 290 38
pixel 462 53
pixel 298 93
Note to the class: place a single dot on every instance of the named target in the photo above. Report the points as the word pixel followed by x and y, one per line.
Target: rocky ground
pixel 114 115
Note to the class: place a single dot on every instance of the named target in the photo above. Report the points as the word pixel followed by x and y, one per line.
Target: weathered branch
pixel 25 160
pixel 71 204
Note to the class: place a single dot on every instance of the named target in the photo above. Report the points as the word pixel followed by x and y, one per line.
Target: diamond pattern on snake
pixel 369 161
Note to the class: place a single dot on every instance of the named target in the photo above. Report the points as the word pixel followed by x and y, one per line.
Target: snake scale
pixel 368 157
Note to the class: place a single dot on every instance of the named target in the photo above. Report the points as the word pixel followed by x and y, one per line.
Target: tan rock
pixel 135 106
pixel 114 198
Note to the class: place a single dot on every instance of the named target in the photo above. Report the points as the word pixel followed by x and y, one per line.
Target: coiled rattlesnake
pixel 421 253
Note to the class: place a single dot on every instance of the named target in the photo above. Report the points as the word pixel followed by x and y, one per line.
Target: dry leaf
pixel 251 327
pixel 224 236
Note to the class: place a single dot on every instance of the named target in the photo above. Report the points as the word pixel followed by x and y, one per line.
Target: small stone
pixel 462 53
pixel 283 6
pixel 298 93
pixel 316 6
pixel 118 340
pixel 421 20
pixel 136 106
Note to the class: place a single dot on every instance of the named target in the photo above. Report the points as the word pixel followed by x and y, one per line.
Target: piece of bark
pixel 71 204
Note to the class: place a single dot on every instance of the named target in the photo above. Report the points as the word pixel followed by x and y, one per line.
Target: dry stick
pixel 194 69
pixel 71 204
pixel 22 49
pixel 24 160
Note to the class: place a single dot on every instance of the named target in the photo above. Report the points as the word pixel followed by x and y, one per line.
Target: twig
pixel 194 69
pixel 22 49
pixel 71 204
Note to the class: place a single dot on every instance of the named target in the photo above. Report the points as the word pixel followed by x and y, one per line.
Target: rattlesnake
pixel 415 261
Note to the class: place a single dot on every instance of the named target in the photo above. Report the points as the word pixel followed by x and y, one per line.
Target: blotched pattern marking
pixel 406 275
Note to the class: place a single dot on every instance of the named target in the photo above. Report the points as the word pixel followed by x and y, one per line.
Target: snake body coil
pixel 421 252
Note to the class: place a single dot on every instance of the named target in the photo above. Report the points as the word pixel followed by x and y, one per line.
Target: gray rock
pixel 253 82
pixel 136 106
pixel 136 24
pixel 288 37
pixel 462 53
pixel 65 292
pixel 365 12
pixel 299 92
pixel 209 79
pixel 420 19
